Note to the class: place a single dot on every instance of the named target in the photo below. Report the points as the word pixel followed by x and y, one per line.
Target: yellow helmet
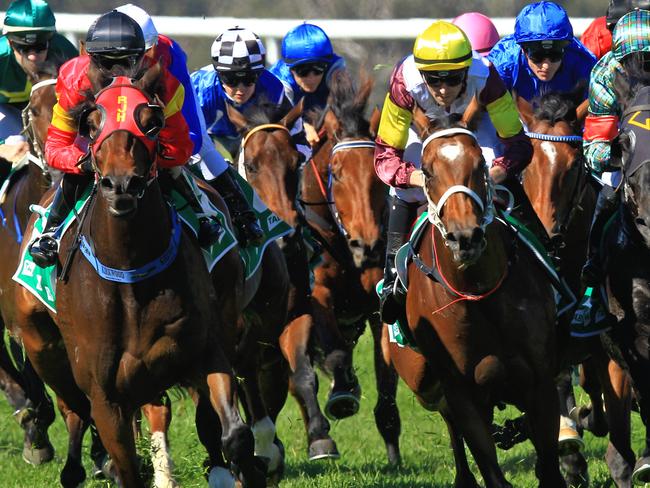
pixel 443 46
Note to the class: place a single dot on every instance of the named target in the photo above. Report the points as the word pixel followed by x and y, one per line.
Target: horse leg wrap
pixel 264 434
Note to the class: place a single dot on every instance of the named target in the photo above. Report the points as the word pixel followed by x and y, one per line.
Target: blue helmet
pixel 306 43
pixel 543 21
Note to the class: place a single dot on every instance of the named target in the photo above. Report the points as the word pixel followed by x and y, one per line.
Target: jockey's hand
pixel 14 152
pixel 85 163
pixel 498 174
pixel 417 178
pixel 311 134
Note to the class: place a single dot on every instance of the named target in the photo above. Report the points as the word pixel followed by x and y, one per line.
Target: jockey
pixel 443 73
pixel 30 40
pixel 162 47
pixel 542 55
pixel 115 46
pixel 306 68
pixel 480 31
pixel 631 42
pixel 598 37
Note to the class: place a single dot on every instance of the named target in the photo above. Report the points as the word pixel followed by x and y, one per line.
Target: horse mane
pixel 348 103
pixel 556 106
pixel 263 112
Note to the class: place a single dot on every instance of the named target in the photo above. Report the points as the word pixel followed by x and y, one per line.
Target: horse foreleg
pixel 303 384
pixel 159 416
pixel 386 413
pixel 596 420
pixel 73 473
pixel 464 477
pixel 116 432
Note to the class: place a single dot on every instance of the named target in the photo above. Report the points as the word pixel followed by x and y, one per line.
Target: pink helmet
pixel 479 29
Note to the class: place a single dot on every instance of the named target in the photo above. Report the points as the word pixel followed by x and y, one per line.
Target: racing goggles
pixel 303 70
pixel 436 79
pixel 27 48
pixel 235 78
pixel 553 55
pixel 108 63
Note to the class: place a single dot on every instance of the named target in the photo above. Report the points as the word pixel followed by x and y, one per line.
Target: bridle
pixel 435 208
pixel 28 129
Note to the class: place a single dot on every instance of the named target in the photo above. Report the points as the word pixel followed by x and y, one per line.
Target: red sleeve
pixel 600 128
pixel 390 167
pixel 175 143
pixel 61 152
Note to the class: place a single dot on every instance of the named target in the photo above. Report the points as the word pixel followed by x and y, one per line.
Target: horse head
pixel 269 156
pixel 122 122
pixel 556 176
pixel 457 185
pixel 628 149
pixel 356 194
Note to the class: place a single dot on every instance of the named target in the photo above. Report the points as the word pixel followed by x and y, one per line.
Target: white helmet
pixel 144 21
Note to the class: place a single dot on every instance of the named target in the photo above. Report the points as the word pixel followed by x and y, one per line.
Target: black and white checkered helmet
pixel 238 49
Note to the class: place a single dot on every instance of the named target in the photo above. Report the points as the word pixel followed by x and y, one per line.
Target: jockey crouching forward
pixel 115 46
pixel 30 40
pixel 443 73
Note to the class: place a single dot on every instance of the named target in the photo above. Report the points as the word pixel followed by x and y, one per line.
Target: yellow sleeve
pixel 175 104
pixel 62 120
pixel 394 124
pixel 504 116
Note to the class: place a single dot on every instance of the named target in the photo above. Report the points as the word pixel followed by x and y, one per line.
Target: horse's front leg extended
pixel 159 416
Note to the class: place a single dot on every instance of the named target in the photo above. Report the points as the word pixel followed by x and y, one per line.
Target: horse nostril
pixel 477 235
pixel 355 243
pixel 136 185
pixel 106 184
pixel 451 237
pixel 640 221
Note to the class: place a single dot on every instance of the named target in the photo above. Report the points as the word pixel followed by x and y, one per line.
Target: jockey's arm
pixel 175 144
pixel 503 113
pixel 62 151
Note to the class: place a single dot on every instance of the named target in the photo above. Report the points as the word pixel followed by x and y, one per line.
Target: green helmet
pixel 29 22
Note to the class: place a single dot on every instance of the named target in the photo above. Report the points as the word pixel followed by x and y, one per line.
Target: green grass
pixel 426 455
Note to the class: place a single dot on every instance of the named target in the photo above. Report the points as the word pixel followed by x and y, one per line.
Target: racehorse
pixel 343 202
pixel 25 390
pixel 480 312
pixel 112 347
pixel 627 247
pixel 271 162
pixel 561 190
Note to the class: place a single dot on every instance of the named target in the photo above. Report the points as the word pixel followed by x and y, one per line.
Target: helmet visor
pixel 117 64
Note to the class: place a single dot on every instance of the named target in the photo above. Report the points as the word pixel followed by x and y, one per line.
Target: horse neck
pixel 36 183
pixel 478 278
pixel 128 243
pixel 314 171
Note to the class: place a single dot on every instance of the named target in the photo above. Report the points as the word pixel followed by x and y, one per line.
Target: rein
pixel 28 130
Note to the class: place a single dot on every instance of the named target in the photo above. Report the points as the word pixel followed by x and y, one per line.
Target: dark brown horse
pixel 112 347
pixel 271 162
pixel 563 194
pixel 485 327
pixel 24 389
pixel 343 202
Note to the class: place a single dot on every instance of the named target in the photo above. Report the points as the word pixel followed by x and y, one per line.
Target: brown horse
pixel 485 325
pixel 271 162
pixel 112 347
pixel 343 202
pixel 563 194
pixel 25 390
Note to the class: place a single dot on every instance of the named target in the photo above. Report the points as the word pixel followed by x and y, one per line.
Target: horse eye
pixel 250 167
pixel 34 111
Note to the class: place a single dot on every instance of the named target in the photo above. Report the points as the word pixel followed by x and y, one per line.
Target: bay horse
pixel 24 389
pixel 112 347
pixel 344 202
pixel 270 160
pixel 563 193
pixel 485 327
pixel 627 248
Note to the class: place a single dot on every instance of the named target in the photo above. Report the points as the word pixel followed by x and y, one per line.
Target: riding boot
pixel 391 300
pixel 525 213
pixel 45 248
pixel 243 217
pixel 209 229
pixel 606 205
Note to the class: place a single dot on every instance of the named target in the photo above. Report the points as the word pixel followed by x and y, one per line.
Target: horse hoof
pixel 641 474
pixel 38 456
pixel 341 404
pixel 569 441
pixel 323 449
pixel 220 478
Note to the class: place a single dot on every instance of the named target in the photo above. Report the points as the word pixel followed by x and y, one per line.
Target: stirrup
pixel 389 306
pixel 209 231
pixel 591 274
pixel 44 250
pixel 249 229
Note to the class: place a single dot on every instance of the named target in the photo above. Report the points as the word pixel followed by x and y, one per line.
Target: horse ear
pixel 421 121
pixel 581 111
pixel 290 119
pixel 237 118
pixel 331 125
pixel 525 109
pixel 363 94
pixel 375 117
pixel 82 47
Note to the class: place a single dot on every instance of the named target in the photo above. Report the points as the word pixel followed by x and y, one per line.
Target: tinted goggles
pixel 235 78
pixel 435 80
pixel 27 48
pixel 553 55
pixel 110 64
pixel 304 69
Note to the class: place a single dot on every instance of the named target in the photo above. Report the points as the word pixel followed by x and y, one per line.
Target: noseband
pixel 435 209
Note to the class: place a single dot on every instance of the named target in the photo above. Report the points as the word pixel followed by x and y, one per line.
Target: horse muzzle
pixel 122 193
pixel 466 245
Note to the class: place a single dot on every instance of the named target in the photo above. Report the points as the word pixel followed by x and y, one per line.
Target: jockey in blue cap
pixel 542 55
pixel 306 68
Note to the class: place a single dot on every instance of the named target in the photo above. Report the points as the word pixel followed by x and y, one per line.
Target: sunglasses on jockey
pixel 235 78
pixel 108 62
pixel 303 70
pixel 28 48
pixel 436 79
pixel 537 52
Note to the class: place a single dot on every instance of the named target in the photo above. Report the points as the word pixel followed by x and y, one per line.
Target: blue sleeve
pixel 204 89
pixel 283 73
pixel 504 56
pixel 179 69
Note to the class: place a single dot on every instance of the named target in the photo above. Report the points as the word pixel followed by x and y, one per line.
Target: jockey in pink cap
pixel 479 29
